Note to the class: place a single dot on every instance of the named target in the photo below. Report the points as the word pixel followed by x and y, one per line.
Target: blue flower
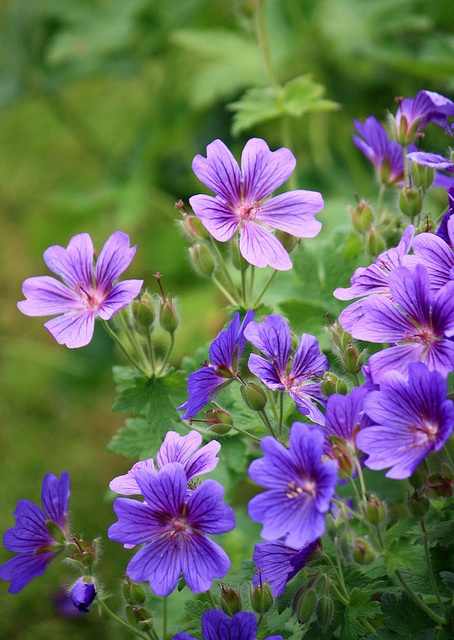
pixel 216 625
pixel 300 487
pixel 410 419
pixel 38 534
pixel 83 593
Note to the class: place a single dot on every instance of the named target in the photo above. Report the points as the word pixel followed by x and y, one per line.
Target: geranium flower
pixel 241 201
pixel 414 113
pixel 87 291
pixel 225 352
pixel 173 526
pixel 175 448
pixel 300 487
pixel 216 625
pixel 410 419
pixel 38 534
pixel 277 372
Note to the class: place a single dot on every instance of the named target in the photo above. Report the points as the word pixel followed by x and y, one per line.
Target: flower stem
pixel 366 624
pixel 263 40
pixel 281 413
pixel 224 291
pixel 262 293
pixel 121 622
pixel 224 267
pixel 167 356
pixel 430 569
pixel 267 423
pixel 135 345
pixel 210 599
pixel 117 340
pixel 164 618
pixel 150 350
pixel 417 600
pixel 245 433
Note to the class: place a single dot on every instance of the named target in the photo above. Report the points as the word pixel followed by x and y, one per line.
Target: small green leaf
pixel 402 615
pixel 360 606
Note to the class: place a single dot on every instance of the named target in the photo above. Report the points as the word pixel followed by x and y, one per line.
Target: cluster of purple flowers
pixel 172 520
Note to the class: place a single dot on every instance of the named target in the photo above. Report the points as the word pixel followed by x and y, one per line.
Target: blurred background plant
pixel 103 105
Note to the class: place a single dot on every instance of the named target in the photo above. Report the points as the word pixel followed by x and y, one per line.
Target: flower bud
pixel 202 260
pixel 168 318
pixel 220 422
pixel 254 396
pixel 362 216
pixel 331 526
pixel 83 593
pixel 262 598
pixel 230 601
pixel 133 592
pixel 374 242
pixel 410 201
pixel 344 462
pixel 422 176
pixel 338 338
pixel 306 606
pixel 143 311
pixel 375 511
pixel 404 133
pixel 193 228
pixel 346 541
pixel 324 612
pixel 332 383
pixel 362 551
pixel 132 615
pixel 353 359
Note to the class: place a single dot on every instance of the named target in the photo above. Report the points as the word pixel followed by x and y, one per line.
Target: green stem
pixel 251 282
pixel 117 340
pixel 224 291
pixel 267 423
pixel 261 294
pixel 121 622
pixel 361 482
pixel 134 344
pixel 164 618
pixel 245 433
pixel 167 356
pixel 223 265
pixel 417 600
pixel 381 195
pixel 429 568
pixel 210 599
pixel 150 350
pixel 367 624
pixel 339 595
pixel 345 599
pixel 281 413
pixel 243 281
pixel 263 40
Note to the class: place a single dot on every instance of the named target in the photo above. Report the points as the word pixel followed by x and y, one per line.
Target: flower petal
pixel 121 294
pixel 47 296
pixel 217 216
pixel 55 497
pixel 74 264
pixel 261 248
pixel 23 568
pixel 115 257
pixel 293 212
pixel 159 562
pixel 263 171
pixel 73 329
pixel 202 560
pixel 219 171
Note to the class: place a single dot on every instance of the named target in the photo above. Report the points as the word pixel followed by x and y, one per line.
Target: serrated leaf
pixel 301 95
pixel 447 579
pixel 360 606
pixel 136 440
pixel 402 615
pixel 134 397
pixel 401 553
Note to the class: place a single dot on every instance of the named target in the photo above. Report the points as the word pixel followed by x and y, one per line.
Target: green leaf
pixel 403 553
pixel 301 95
pixel 136 440
pixel 402 615
pixel 360 606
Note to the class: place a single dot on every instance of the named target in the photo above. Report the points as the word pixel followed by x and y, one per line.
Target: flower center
pixel 248 210
pixel 296 489
pixel 89 297
pixel 424 434
pixel 178 527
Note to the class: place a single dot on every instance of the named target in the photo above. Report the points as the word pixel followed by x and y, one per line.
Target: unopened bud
pixel 220 422
pixel 193 227
pixel 332 383
pixel 143 311
pixel 344 462
pixel 132 615
pixel 202 259
pixel 362 551
pixel 307 606
pixel 324 612
pixel 362 216
pixel 230 601
pixel 338 338
pixel 375 243
pixel 254 396
pixel 83 593
pixel 346 541
pixel 422 176
pixel 410 201
pixel 375 511
pixel 353 359
pixel 262 598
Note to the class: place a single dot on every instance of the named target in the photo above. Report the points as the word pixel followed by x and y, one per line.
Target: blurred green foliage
pixel 103 105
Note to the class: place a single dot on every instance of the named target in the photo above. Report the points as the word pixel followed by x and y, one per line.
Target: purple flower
pixel 273 338
pixel 385 155
pixel 277 564
pixel 87 290
pixel 173 526
pixel 225 352
pixel 37 535
pixel 216 625
pixel 442 230
pixel 240 202
pixel 437 256
pixel 300 487
pixel 414 113
pixel 411 418
pixel 175 448
pixel 419 323
pixel 83 593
